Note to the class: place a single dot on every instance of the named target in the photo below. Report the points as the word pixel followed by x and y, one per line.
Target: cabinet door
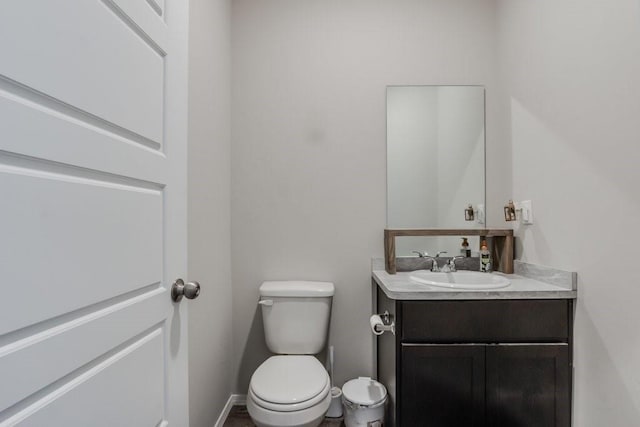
pixel 441 385
pixel 528 385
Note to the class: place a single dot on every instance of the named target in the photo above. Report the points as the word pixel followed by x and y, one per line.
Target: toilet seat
pixel 291 407
pixel 289 383
pixel 310 417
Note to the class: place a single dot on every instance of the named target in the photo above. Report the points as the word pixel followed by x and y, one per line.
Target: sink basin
pixel 460 279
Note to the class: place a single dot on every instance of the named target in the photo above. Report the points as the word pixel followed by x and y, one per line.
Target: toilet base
pixel 309 417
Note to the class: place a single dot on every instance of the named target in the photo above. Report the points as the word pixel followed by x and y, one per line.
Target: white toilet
pixel 292 389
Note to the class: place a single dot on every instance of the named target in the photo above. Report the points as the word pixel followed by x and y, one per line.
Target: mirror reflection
pixel 435 162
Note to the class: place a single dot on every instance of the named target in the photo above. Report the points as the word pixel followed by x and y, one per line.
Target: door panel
pixel 88 55
pixel 76 231
pixel 442 385
pixel 528 385
pixel 93 224
pixel 140 403
pixel 44 357
pixel 145 18
pixel 69 138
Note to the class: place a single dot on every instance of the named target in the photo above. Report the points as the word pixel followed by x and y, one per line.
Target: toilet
pixel 292 388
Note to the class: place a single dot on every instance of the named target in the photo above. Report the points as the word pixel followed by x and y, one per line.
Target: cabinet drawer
pixel 485 321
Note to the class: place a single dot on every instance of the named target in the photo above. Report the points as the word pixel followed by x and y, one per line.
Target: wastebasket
pixel 364 401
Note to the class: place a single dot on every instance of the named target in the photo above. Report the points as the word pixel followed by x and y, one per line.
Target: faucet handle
pixel 452 262
pixel 420 254
pixel 439 253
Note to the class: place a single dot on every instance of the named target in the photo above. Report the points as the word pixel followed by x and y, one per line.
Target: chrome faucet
pixel 434 263
pixel 450 266
pixel 434 260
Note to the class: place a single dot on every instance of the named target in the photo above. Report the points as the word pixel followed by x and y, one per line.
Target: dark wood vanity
pixel 489 362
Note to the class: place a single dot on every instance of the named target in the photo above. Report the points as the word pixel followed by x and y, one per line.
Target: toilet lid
pixel 289 379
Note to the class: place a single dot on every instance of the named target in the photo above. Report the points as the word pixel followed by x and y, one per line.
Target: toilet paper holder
pixel 389 324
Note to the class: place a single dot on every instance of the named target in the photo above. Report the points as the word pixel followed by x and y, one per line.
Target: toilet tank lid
pixel 297 288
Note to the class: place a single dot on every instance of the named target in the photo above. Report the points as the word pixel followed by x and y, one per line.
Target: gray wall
pixel 572 76
pixel 308 153
pixel 210 320
pixel 308 164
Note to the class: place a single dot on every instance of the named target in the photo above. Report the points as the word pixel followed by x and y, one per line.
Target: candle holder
pixel 510 211
pixel 469 214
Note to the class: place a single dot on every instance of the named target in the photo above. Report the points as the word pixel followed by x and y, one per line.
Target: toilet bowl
pixel 288 391
pixel 292 388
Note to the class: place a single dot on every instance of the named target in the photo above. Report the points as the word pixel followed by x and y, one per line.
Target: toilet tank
pixel 296 315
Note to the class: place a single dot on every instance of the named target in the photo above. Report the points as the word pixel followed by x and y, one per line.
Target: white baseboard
pixel 234 399
pixel 240 399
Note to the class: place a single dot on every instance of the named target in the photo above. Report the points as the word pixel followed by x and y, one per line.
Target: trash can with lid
pixel 364 400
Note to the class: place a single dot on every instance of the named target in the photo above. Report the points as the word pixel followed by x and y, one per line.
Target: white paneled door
pixel 92 212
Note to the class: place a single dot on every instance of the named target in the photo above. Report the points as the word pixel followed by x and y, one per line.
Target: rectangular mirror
pixel 435 162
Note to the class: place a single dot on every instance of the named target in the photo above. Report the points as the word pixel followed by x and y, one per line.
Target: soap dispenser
pixel 464 250
pixel 485 257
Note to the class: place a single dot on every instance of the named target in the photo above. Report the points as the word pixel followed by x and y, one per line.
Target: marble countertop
pixel 399 287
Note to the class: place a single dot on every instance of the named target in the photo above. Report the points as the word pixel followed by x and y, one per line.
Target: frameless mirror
pixel 435 163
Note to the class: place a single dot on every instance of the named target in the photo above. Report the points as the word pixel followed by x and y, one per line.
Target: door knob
pixel 180 289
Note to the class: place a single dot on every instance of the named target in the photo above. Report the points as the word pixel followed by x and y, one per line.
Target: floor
pixel 239 417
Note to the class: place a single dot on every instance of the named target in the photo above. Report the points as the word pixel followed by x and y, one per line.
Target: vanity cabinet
pixel 477 362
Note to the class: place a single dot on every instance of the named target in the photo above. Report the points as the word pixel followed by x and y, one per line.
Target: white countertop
pixel 399 287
